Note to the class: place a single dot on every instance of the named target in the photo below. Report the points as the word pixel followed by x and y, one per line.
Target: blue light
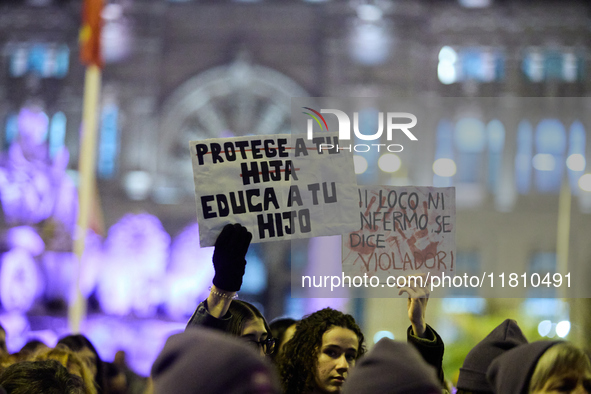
pixel 108 142
pixel 189 274
pixel 382 334
pixel 57 133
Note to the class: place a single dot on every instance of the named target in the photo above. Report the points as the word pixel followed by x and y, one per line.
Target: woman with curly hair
pixel 326 344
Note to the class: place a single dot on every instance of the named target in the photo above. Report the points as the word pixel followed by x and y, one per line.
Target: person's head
pixel 318 358
pixel 250 325
pixel 542 367
pixel 472 379
pixel 47 377
pixel 70 360
pixel 209 362
pixel 31 347
pixel 564 368
pixel 88 354
pixel 282 329
pixel 392 367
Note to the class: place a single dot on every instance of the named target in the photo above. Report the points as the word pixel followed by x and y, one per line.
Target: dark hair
pixel 77 342
pixel 32 345
pixel 242 312
pixel 297 364
pixel 47 377
pixel 278 328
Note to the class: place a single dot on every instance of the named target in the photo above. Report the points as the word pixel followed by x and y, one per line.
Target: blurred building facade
pixel 177 71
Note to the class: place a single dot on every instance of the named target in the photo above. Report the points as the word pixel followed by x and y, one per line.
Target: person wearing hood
pixel 542 367
pixel 504 337
pixel 209 362
pixel 392 367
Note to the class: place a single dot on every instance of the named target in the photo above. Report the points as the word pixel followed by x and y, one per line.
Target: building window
pixel 546 153
pixel 558 64
pixel 481 64
pixel 461 152
pixel 523 158
pixel 495 132
pixel 465 299
pixel 470 142
pixel 57 133
pixel 542 266
pixel 444 166
pixel 11 129
pixel 47 60
pixel 549 160
pixel 575 160
pixel 108 142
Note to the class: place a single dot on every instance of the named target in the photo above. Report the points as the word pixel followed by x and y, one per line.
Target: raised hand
pixel 418 297
pixel 229 257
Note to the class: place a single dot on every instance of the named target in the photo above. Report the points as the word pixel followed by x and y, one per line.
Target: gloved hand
pixel 229 257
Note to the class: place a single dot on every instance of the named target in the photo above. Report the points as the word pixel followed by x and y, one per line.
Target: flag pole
pixel 86 183
pixel 90 54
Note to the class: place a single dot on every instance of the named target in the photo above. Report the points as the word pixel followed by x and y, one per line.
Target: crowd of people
pixel 229 348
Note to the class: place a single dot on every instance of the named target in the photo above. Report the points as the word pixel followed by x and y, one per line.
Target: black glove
pixel 229 257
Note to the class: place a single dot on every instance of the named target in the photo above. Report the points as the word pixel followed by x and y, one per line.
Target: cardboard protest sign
pixel 278 186
pixel 400 231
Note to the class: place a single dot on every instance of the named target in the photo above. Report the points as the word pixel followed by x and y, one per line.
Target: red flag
pixel 90 33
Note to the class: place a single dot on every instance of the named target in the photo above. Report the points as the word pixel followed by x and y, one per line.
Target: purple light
pixel 190 273
pixel 20 283
pixel 32 125
pixel 136 252
pixel 27 238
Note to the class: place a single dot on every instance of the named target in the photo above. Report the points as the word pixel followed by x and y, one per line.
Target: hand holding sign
pixel 229 257
pixel 418 296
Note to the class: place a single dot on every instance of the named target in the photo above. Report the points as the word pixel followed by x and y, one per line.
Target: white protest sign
pixel 401 230
pixel 278 186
